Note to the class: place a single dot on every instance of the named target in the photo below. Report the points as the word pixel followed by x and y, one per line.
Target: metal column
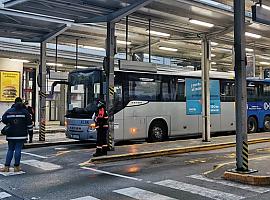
pixel 62 106
pixel 109 68
pixel 42 92
pixel 240 83
pixel 206 61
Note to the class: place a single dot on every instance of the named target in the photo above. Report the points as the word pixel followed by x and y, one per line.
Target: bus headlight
pixel 92 126
pixel 66 123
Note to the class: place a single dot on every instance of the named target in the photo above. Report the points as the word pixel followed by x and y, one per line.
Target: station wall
pixel 10 65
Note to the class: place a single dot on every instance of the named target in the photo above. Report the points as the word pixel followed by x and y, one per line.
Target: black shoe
pixel 98 152
pixel 30 141
pixel 104 151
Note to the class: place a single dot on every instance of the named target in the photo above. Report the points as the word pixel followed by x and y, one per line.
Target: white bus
pixel 156 105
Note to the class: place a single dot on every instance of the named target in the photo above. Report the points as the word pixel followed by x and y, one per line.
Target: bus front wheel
pixel 267 123
pixel 157 132
pixel 252 125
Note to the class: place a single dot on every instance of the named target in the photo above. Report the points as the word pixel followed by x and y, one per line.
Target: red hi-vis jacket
pixel 102 118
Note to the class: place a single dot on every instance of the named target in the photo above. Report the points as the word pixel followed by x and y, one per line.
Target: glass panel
pixel 144 91
pixel 180 90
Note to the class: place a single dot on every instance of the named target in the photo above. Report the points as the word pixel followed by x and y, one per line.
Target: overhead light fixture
pixel 266 7
pixel 81 67
pixel 158 33
pixel 213 63
pixel 168 49
pixel 265 63
pixel 55 64
pixel 94 48
pixel 123 42
pixel 190 66
pixel 213 69
pixel 19 60
pixel 249 50
pixel 213 55
pixel 201 23
pixel 214 43
pixel 264 57
pixel 253 35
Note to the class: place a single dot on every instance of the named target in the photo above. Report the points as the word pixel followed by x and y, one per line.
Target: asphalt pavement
pixel 56 173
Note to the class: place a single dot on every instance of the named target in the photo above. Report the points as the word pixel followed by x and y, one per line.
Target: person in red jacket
pixel 102 125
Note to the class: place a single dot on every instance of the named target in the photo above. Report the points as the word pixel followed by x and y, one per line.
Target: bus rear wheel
pixel 157 132
pixel 266 123
pixel 252 125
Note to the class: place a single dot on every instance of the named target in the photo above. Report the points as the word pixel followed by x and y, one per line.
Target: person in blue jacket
pixel 20 125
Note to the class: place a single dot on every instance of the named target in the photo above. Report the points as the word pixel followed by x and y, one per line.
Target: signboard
pixel 267 73
pixel 9 86
pixel 194 97
pixel 58 75
pixel 260 14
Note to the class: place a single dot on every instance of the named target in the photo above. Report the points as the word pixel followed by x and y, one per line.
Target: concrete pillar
pixel 42 91
pixel 261 75
pixel 206 62
pixel 62 107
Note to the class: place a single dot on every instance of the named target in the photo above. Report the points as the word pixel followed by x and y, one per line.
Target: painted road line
pixel 86 198
pixel 231 184
pixel 111 174
pixel 140 194
pixel 202 191
pixel 41 165
pixel 11 172
pixel 4 195
pixel 35 155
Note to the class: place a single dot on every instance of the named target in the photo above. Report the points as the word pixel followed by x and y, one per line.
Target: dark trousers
pixel 101 137
pixel 14 145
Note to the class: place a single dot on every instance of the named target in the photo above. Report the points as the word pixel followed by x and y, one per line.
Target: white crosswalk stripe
pixel 231 184
pixel 46 166
pixel 86 198
pixel 11 172
pixel 140 194
pixel 202 191
pixel 4 195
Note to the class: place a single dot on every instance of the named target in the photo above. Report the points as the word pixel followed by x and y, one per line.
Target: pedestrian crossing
pixel 44 166
pixel 200 190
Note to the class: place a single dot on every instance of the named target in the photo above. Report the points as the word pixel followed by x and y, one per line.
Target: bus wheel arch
pixel 266 123
pixel 158 130
pixel 252 124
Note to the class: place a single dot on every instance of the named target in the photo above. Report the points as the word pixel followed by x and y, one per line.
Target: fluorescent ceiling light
pixel 265 63
pixel 213 63
pixel 213 55
pixel 54 64
pixel 190 66
pixel 123 42
pixel 201 23
pixel 231 71
pixel 158 33
pixel 19 60
pixel 81 67
pixel 266 7
pixel 249 50
pixel 264 57
pixel 94 48
pixel 253 35
pixel 214 43
pixel 213 69
pixel 168 49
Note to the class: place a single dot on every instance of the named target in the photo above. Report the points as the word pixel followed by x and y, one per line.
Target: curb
pixel 208 147
pixel 51 131
pixel 49 144
pixel 247 178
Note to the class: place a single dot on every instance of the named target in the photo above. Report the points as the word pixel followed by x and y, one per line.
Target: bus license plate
pixel 75 137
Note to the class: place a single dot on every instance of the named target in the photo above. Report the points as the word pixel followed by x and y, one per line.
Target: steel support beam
pixel 109 69
pixel 206 62
pixel 42 91
pixel 117 15
pixel 240 83
pixel 49 36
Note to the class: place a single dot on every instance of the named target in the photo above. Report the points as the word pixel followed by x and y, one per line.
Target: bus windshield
pixel 84 91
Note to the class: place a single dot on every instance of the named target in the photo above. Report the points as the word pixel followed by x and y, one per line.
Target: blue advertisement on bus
pixel 194 97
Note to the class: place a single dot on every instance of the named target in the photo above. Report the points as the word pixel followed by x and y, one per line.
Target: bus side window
pixel 180 90
pixel 227 91
pixel 252 92
pixel 266 92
